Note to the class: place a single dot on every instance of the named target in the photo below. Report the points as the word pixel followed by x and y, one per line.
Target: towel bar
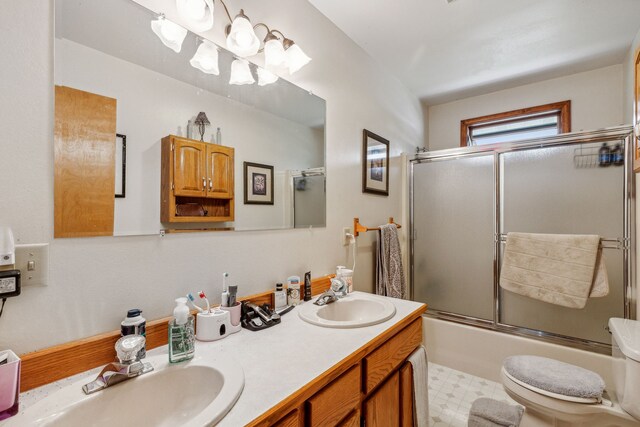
pixel 605 242
pixel 359 228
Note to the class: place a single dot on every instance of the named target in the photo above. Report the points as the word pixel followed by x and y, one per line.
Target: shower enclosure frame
pixel 622 134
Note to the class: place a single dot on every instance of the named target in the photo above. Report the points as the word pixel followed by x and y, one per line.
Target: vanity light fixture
pixel 202 121
pixel 197 13
pixel 206 58
pixel 266 77
pixel 241 73
pixel 280 53
pixel 242 39
pixel 296 58
pixel 274 54
pixel 172 35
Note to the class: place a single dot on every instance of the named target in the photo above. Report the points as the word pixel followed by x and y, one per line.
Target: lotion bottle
pixel 181 333
pixel 280 297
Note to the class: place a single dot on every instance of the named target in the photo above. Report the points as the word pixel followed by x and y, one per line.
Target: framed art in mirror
pixel 121 165
pixel 258 184
pixel 636 114
pixel 375 163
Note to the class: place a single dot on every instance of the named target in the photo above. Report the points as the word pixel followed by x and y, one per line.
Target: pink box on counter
pixel 9 384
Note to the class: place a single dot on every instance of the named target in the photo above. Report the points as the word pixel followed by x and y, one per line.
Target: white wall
pixel 93 281
pixel 596 102
pixel 152 106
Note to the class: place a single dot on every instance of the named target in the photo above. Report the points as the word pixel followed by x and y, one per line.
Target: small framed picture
pixel 258 184
pixel 121 165
pixel 375 163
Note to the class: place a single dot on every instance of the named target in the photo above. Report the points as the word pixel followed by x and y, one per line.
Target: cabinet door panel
pixel 383 407
pixel 406 394
pixel 293 419
pixel 189 175
pixel 335 401
pixel 219 172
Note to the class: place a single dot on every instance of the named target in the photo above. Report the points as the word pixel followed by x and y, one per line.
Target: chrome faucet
pixel 337 291
pixel 127 366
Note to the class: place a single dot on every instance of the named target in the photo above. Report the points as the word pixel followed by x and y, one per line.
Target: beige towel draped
pixel 562 269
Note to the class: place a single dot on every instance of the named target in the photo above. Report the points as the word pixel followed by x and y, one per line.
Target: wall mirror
pixel 114 76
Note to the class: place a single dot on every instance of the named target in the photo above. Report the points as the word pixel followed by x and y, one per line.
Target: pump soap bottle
pixel 181 335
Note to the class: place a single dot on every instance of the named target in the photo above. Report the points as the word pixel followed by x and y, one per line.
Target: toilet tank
pixel 626 363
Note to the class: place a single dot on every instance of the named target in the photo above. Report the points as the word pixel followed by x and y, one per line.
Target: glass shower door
pixel 453 237
pixel 564 199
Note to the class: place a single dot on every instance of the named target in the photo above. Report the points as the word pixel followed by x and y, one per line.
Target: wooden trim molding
pixel 55 363
pixel 563 108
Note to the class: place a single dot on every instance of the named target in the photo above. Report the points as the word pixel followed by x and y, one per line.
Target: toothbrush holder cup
pixel 9 384
pixel 235 311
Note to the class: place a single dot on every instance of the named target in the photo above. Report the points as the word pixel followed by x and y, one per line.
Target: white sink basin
pixel 353 311
pixel 193 393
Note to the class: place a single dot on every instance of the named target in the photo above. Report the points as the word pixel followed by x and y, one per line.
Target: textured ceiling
pixel 445 51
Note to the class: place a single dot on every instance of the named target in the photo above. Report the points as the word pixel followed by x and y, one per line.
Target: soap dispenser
pixel 181 335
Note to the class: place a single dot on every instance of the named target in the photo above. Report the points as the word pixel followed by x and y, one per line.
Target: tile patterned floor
pixel 452 392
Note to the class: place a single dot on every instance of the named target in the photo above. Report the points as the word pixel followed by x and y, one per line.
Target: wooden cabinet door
pixel 383 407
pixel 189 175
pixel 84 163
pixel 406 394
pixel 219 172
pixel 292 419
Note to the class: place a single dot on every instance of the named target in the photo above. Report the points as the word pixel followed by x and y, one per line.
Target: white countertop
pixel 276 361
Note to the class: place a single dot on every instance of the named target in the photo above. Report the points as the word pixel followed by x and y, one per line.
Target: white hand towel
pixel 418 360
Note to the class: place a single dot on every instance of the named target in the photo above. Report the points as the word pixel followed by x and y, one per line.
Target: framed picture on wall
pixel 375 163
pixel 258 184
pixel 636 114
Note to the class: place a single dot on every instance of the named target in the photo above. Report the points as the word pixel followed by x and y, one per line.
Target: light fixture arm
pixel 226 11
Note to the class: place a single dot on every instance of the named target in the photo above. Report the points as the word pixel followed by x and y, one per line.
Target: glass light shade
pixel 172 35
pixel 242 40
pixel 296 58
pixel 198 14
pixel 206 58
pixel 241 73
pixel 266 77
pixel 274 55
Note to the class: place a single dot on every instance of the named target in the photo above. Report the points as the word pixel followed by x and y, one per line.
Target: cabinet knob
pixel 210 184
pixel 204 184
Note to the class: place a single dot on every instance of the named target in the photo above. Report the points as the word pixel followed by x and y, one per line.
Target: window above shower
pixel 517 125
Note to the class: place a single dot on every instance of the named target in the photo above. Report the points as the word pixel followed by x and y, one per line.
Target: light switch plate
pixel 33 263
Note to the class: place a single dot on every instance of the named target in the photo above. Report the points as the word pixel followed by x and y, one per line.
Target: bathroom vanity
pixel 297 373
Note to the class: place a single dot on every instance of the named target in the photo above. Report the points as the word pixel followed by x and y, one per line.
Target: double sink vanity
pixel 323 365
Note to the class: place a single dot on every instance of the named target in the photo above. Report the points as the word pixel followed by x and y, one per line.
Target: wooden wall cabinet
pixel 377 390
pixel 196 172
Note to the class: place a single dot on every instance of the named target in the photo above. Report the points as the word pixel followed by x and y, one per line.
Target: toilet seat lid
pixel 554 378
pixel 548 393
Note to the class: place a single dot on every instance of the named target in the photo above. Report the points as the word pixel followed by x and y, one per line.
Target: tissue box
pixel 9 385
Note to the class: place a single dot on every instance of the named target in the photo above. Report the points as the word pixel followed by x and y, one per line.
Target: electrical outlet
pixel 345 239
pixel 33 263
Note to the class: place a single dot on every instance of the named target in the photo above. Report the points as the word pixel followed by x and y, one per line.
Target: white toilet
pixel 544 407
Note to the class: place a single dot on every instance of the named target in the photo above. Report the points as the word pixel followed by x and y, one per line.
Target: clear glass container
pixel 181 340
